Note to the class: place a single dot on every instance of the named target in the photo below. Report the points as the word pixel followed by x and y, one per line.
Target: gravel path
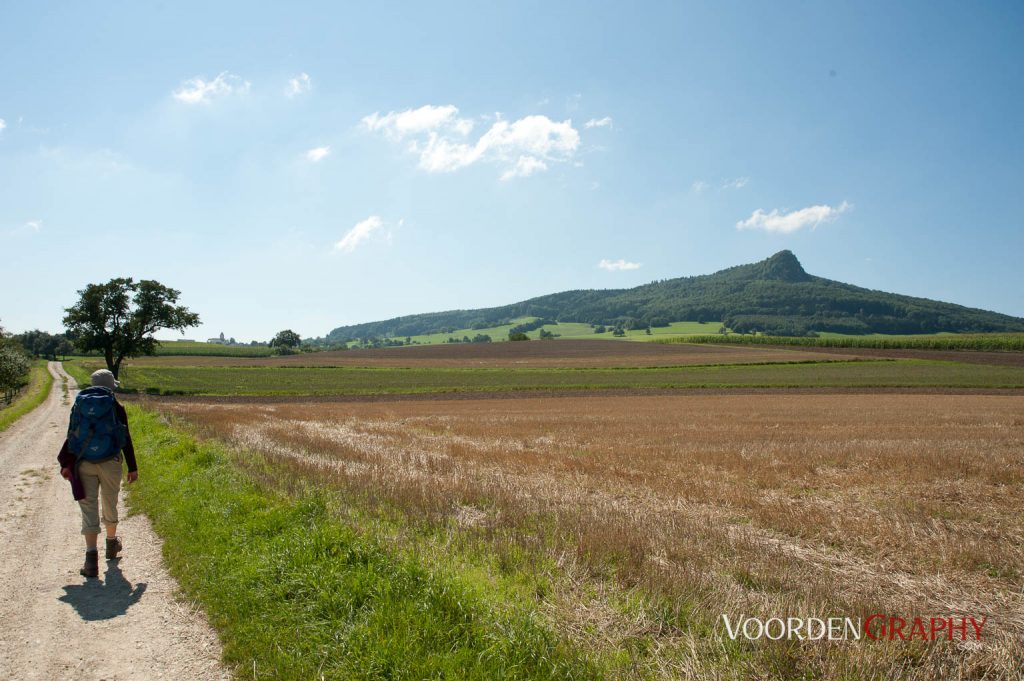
pixel 128 624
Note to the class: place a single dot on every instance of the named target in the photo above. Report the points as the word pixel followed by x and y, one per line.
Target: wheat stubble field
pixel 641 520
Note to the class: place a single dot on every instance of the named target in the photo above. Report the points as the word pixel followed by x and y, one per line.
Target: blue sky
pixel 314 164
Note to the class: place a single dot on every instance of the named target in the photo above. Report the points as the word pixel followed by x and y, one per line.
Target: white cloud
pixel 3 124
pixel 738 183
pixel 605 122
pixel 197 90
pixel 440 138
pixel 699 186
pixel 34 225
pixel 786 223
pixel 618 265
pixel 524 167
pixel 297 85
pixel 317 154
pixel 358 234
pixel 424 119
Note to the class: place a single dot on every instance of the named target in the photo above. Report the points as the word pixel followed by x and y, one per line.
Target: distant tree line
pixel 43 345
pixel 478 338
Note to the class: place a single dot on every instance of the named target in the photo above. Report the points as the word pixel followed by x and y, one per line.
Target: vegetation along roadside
pixel 299 590
pixel 38 388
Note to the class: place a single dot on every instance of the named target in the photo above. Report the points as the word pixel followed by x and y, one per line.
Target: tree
pixel 64 348
pixel 286 339
pixel 120 317
pixel 14 367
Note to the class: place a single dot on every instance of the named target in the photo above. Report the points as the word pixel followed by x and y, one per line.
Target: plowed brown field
pixel 567 353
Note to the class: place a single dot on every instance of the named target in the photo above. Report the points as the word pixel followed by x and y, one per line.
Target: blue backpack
pixel 94 433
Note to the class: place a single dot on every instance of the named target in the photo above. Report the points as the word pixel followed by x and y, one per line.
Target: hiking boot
pixel 92 564
pixel 113 547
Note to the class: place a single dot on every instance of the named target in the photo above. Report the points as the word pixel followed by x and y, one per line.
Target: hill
pixel 774 296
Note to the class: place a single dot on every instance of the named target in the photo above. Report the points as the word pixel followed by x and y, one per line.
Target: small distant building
pixel 218 341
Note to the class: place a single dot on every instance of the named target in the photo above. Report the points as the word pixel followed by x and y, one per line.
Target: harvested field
pixel 533 354
pixel 657 515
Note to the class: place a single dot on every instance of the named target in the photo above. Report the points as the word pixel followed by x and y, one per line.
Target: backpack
pixel 94 433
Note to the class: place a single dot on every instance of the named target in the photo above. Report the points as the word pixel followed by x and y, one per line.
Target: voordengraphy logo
pixel 876 628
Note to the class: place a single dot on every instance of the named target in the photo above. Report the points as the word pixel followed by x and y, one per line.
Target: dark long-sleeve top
pixel 67 460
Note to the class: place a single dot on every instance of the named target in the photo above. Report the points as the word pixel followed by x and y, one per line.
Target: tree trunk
pixel 117 367
pixel 108 354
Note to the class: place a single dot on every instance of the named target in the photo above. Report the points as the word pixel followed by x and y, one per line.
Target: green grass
pixel 299 590
pixel 31 397
pixel 81 369
pixel 707 332
pixel 497 333
pixel 574 330
pixel 976 341
pixel 365 381
pixel 189 348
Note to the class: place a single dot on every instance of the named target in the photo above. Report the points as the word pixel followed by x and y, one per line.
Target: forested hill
pixel 775 296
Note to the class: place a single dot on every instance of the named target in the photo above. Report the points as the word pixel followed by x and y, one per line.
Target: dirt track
pixel 56 624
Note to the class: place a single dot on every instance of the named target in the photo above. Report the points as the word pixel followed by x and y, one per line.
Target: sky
pixel 310 165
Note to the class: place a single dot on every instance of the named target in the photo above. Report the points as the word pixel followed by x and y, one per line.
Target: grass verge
pixel 298 592
pixel 38 388
pixel 81 370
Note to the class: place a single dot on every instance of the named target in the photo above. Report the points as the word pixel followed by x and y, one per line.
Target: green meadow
pixel 187 348
pixel 575 330
pixel 270 381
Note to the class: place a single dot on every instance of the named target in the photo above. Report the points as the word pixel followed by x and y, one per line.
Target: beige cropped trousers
pixel 102 482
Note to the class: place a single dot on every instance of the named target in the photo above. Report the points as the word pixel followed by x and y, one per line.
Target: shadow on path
pixel 96 600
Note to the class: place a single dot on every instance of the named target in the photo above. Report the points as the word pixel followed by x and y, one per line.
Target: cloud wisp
pixel 605 122
pixel 317 154
pixel 359 233
pixel 619 265
pixel 786 223
pixel 3 124
pixel 738 183
pixel 197 90
pixel 441 139
pixel 30 227
pixel 298 85
pixel 701 186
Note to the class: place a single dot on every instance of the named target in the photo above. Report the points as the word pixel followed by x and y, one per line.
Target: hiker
pixel 91 461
